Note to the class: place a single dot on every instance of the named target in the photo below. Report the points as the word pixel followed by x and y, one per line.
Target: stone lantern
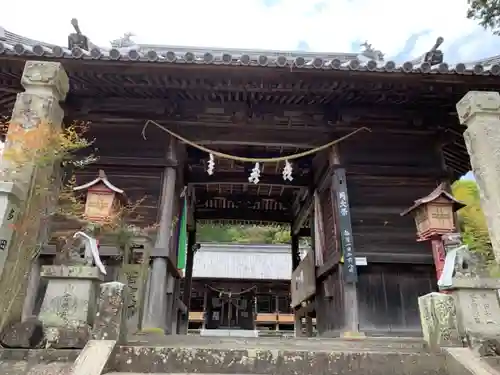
pixel 103 199
pixel 434 217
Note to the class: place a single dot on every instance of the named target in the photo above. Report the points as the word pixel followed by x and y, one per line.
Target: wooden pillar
pixel 349 269
pixel 295 264
pixel 188 279
pixel 205 317
pixel 157 314
pixel 277 310
pixel 295 251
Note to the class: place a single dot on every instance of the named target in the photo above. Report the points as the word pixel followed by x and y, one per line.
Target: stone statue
pixel 91 254
pixel 77 39
pixel 459 263
pixel 371 53
pixel 123 42
pixel 69 252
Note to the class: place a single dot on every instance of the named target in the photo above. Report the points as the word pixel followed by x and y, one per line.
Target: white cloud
pixel 328 25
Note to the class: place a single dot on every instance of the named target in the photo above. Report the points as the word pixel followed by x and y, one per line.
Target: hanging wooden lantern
pixel 433 213
pixel 103 199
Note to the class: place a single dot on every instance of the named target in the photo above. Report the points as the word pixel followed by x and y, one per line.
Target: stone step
pixel 282 343
pixel 187 355
pixel 36 362
pixel 463 361
pixel 24 368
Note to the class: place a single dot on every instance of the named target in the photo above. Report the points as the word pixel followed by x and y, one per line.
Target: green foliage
pixel 471 219
pixel 487 12
pixel 243 234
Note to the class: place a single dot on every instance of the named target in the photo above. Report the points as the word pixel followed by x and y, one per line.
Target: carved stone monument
pixel 135 277
pixel 439 320
pixel 69 306
pixel 110 321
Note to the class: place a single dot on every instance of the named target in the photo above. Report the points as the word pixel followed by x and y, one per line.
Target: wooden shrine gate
pixel 230 126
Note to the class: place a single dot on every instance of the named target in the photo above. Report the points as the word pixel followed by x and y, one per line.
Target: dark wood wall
pixel 400 169
pixel 388 294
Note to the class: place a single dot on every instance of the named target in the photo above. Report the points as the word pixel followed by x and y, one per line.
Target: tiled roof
pixel 13 44
pixel 243 261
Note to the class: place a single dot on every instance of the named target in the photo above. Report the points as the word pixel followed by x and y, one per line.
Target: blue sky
pixel 402 29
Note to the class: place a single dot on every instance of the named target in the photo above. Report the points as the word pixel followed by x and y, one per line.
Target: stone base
pixel 67 337
pixel 229 333
pixel 485 345
pixel 23 335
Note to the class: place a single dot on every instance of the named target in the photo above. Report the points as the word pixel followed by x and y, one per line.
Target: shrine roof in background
pixel 243 261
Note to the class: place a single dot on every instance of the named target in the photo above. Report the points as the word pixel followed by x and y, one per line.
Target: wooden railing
pixel 196 316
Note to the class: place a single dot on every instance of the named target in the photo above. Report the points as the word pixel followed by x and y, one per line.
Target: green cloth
pixel 181 251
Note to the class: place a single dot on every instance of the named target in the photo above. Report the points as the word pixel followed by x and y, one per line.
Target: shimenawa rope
pixel 223 155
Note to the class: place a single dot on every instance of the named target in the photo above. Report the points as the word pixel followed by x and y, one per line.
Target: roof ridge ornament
pixel 434 56
pixel 371 52
pixel 124 42
pixel 77 39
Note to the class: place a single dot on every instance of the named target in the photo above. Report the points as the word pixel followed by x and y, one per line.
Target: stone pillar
pixel 36 114
pixel 31 292
pixel 155 314
pixel 480 112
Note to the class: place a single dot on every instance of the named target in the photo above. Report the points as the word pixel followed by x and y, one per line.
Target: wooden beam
pixel 242 178
pixel 196 156
pixel 249 215
pixel 306 310
pixel 212 132
pixel 376 254
pixel 133 161
pixel 284 198
pixel 356 171
pixel 176 106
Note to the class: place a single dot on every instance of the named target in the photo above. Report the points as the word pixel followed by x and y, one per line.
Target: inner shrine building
pixel 402 139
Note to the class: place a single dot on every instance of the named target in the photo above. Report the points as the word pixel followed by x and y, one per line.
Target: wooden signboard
pixel 303 285
pixel 345 227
